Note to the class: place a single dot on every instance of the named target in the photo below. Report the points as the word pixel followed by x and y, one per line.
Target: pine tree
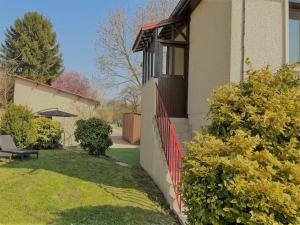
pixel 31 50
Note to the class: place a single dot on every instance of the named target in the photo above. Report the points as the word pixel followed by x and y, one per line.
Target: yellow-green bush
pixel 17 121
pixel 245 168
pixel 48 133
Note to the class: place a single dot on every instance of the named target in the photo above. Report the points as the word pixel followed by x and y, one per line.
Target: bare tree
pixel 6 81
pixel 119 66
pixel 131 97
pixel 155 10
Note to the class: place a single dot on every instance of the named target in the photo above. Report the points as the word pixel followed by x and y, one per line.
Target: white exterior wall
pixel 209 56
pixel 38 97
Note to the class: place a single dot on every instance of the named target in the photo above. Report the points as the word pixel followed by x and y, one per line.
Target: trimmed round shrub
pixel 93 135
pixel 17 121
pixel 48 133
pixel 245 168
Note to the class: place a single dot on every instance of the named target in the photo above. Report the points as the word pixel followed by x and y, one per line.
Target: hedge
pixel 245 167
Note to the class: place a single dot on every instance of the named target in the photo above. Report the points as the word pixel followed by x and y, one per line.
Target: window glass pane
pixel 153 65
pixel 149 65
pixel 144 67
pixel 294 37
pixel 164 60
pixel 179 61
pixel 170 61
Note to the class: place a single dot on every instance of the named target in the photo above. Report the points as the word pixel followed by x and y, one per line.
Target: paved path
pixel 118 142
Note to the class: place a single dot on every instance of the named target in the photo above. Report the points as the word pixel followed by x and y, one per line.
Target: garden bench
pixel 8 146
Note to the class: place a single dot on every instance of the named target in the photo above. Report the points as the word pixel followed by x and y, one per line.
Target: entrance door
pixel 173 79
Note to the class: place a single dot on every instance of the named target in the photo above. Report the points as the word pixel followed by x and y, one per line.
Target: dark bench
pixel 7 145
pixel 5 155
pixel 21 153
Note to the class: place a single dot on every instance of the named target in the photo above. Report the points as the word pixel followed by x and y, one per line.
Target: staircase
pixel 171 145
pixel 183 131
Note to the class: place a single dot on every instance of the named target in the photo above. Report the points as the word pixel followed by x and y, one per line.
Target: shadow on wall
pixel 108 215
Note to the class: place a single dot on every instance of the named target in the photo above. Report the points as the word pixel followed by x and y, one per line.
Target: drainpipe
pixel 243 39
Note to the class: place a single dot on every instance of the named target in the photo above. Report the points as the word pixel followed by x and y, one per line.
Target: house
pixel 203 44
pixel 41 98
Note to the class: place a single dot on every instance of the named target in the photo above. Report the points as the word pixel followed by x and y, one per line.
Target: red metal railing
pixel 170 145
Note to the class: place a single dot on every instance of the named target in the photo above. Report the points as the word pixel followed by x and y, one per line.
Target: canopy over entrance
pixel 55 113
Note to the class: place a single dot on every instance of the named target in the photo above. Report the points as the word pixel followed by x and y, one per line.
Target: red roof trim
pixel 153 25
pixel 57 89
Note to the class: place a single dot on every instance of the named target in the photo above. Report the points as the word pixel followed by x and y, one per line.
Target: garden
pixel 78 185
pixel 70 187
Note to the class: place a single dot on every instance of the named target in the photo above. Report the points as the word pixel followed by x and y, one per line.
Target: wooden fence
pixel 132 128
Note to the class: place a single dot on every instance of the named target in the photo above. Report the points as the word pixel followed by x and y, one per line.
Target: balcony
pixel 165 57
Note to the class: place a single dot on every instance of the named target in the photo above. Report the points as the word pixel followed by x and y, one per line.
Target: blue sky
pixel 75 22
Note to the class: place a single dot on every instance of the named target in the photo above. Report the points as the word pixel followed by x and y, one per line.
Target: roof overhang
pixel 37 83
pixel 182 10
pixel 294 5
pixel 185 8
pixel 55 113
pixel 146 33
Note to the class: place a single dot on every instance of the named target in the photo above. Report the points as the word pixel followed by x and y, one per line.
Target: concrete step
pixel 183 130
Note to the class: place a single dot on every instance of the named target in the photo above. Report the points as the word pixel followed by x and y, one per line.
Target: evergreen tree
pixel 31 49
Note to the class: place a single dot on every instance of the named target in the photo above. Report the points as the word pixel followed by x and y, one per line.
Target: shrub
pixel 48 133
pixel 17 121
pixel 245 168
pixel 93 135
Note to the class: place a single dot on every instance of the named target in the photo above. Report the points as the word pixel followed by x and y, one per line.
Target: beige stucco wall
pixel 217 44
pixel 264 35
pixel 38 97
pixel 151 154
pixel 264 32
pixel 209 56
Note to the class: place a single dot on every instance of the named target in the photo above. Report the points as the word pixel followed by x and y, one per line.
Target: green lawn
pixel 71 187
pixel 130 156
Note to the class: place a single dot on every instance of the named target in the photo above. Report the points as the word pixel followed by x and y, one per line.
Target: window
pixel 148 64
pixel 173 59
pixel 179 61
pixel 294 36
pixel 164 60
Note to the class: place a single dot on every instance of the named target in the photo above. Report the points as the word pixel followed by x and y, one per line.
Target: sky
pixel 75 23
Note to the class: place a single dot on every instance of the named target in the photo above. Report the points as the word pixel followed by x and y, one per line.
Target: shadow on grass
pixel 99 170
pixel 111 215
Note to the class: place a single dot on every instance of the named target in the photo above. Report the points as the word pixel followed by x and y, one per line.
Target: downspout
pixel 243 39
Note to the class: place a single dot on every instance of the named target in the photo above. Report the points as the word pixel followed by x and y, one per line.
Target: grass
pixel 130 156
pixel 71 187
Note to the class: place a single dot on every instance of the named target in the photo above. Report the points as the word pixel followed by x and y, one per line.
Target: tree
pixel 6 82
pixel 6 88
pixel 31 50
pixel 120 67
pixel 74 82
pixel 131 97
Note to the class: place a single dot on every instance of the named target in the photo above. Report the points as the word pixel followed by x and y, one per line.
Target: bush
pixel 17 121
pixel 245 168
pixel 93 135
pixel 48 133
